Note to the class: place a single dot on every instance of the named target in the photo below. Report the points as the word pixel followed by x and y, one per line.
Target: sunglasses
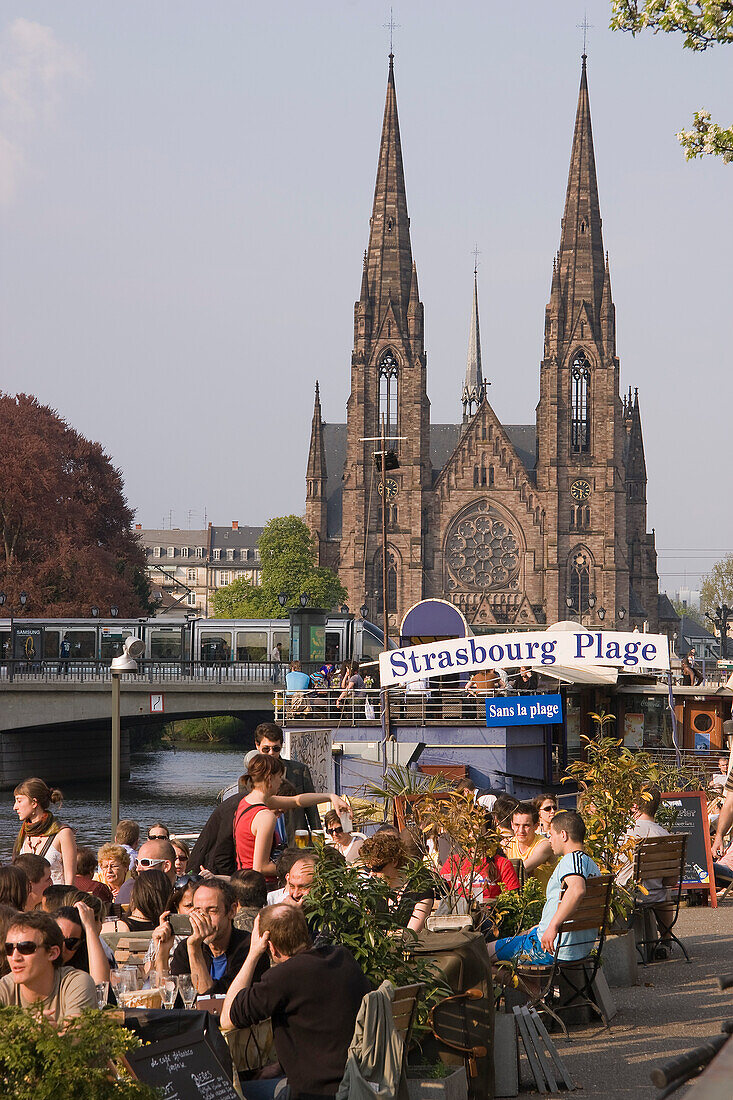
pixel 72 942
pixel 376 868
pixel 157 836
pixel 332 832
pixel 145 862
pixel 548 807
pixel 271 752
pixel 25 947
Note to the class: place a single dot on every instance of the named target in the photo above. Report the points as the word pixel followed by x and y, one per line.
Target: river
pixel 175 786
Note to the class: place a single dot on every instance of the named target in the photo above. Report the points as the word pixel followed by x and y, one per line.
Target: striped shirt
pixel 575 945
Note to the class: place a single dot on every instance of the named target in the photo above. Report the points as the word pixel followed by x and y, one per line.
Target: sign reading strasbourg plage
pixel 566 648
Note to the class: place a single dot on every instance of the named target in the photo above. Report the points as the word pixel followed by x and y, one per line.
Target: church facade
pixel 518 525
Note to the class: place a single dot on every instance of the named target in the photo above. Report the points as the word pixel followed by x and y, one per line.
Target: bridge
pixel 55 717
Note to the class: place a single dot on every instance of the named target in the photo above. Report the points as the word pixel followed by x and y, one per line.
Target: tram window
pixel 333 646
pixel 83 644
pixel 216 647
pixel 251 645
pixel 165 644
pixel 51 644
pixel 112 644
pixel 283 637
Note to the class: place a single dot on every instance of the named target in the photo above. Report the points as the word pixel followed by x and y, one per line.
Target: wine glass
pixel 187 989
pixel 102 994
pixel 169 989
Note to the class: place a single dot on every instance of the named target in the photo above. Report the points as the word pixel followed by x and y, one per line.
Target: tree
pixel 717 586
pixel 686 611
pixel 65 525
pixel 704 24
pixel 287 555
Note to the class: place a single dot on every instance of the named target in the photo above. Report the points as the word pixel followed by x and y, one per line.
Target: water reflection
pixel 178 788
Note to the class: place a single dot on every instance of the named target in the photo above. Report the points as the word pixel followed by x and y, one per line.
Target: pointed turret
pixel 581 266
pixel 389 256
pixel 474 387
pixel 315 480
pixel 317 453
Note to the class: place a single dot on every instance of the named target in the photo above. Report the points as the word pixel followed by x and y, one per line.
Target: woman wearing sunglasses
pixel 348 844
pixel 386 856
pixel 547 808
pixel 82 947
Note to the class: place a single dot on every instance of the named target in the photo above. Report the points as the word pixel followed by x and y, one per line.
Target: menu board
pixel 181 1070
pixel 692 818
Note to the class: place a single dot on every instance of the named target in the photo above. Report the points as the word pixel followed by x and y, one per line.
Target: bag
pixel 369 712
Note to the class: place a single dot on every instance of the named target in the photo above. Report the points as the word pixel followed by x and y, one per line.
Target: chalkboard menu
pixel 692 818
pixel 181 1070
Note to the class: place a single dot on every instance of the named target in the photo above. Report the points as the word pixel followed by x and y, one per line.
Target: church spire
pixel 581 262
pixel 474 387
pixel 316 471
pixel 389 256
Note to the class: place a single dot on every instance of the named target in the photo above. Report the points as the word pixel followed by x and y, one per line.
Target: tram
pixel 214 641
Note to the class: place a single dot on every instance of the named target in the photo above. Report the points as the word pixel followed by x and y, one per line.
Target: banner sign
pixel 566 648
pixel 524 710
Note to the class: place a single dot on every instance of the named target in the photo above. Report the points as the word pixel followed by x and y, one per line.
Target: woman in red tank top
pixel 254 821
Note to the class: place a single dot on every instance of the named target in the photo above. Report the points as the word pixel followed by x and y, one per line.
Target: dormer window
pixel 216 554
pixel 171 551
pixel 156 551
pixel 199 551
pixel 184 551
pixel 230 555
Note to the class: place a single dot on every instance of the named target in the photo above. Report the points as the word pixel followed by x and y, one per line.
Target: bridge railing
pixel 167 670
pixel 439 706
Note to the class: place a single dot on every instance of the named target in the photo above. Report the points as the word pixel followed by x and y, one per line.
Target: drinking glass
pixel 102 994
pixel 187 989
pixel 169 988
pixel 124 979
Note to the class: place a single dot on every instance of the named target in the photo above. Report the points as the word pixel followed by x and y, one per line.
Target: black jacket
pixel 236 953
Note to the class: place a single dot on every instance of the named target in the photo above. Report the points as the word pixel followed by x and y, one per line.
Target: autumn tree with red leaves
pixel 66 529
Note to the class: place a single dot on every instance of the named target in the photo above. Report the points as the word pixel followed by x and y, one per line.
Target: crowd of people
pixel 232 912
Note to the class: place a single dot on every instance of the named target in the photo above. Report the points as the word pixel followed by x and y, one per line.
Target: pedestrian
pixel 64 655
pixel 41 832
pixel 276 658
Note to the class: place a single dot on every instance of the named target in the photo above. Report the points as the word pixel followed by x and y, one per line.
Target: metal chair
pixel 590 915
pixel 661 858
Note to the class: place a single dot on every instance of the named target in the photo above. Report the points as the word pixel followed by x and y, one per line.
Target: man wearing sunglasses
pixel 158 855
pixel 33 945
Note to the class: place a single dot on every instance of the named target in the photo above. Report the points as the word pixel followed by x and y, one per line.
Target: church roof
pixel 443 442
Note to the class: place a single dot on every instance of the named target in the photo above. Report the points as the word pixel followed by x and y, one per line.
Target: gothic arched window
pixel 388 380
pixel 580 405
pixel 579 567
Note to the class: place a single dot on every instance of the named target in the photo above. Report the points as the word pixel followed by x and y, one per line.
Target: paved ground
pixel 673 1009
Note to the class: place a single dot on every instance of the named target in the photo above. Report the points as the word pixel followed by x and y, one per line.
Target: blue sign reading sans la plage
pixel 524 710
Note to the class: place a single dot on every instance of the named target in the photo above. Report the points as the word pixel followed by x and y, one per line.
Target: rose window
pixel 482 550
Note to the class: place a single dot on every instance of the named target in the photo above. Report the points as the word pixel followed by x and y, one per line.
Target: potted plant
pixel 38 1062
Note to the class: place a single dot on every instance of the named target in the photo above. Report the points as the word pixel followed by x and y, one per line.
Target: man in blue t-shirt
pixel 565 889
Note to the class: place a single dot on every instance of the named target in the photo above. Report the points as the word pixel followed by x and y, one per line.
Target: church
pixel 518 525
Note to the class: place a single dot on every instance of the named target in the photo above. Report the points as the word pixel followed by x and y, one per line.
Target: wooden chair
pixel 590 915
pixel 130 948
pixel 660 857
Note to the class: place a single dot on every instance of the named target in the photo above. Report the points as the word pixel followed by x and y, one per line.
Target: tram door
pixel 334 651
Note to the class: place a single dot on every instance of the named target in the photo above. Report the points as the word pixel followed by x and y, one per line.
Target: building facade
pixel 185 568
pixel 518 525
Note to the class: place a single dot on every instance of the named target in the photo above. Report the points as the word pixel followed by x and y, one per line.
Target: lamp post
pixel 282 598
pixel 132 648
pixel 303 598
pixel 363 611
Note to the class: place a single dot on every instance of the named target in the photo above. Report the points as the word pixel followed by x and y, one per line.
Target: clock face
pixel 580 490
pixel 388 489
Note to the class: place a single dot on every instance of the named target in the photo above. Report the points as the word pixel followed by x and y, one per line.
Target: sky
pixel 185 192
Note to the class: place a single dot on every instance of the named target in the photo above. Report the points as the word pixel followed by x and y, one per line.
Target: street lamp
pixel 344 609
pixel 114 611
pixel 363 611
pixel 303 598
pixel 95 612
pixel 23 599
pixel 601 613
pixel 591 602
pixel 282 599
pixel 622 613
pixel 126 662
